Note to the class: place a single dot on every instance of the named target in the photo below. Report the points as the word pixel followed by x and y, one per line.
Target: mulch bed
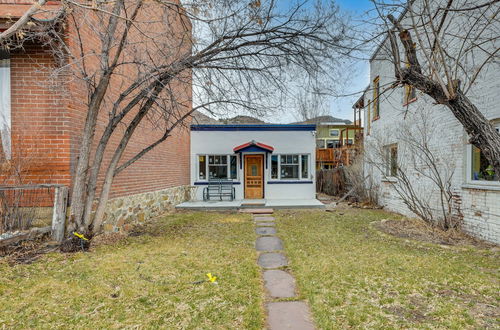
pixel 419 230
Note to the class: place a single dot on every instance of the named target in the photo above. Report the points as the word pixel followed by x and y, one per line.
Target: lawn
pixel 146 281
pixel 354 277
pixel 351 275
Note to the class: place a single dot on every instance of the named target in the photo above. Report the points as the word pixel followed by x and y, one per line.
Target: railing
pixel 343 155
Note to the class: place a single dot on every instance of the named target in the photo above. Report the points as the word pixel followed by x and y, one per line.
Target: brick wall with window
pixel 48 117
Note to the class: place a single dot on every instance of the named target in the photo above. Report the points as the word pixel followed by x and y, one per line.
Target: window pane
pixel 274 167
pixel 234 167
pixel 481 169
pixel 211 159
pixel 202 168
pixel 320 143
pixel 289 171
pixel 283 159
pixel 223 159
pixel 217 172
pixel 305 167
pixel 5 103
pixel 334 132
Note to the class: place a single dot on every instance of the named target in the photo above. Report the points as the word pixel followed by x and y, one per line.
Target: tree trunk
pixel 481 133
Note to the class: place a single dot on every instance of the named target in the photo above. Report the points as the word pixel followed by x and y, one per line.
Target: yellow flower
pixel 211 278
pixel 80 236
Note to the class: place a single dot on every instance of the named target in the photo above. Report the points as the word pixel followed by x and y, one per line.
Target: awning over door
pixel 253 146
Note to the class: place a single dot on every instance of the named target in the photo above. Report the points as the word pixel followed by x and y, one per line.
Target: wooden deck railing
pixel 337 156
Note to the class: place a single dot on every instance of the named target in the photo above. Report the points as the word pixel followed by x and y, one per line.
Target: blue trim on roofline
pixel 205 183
pixel 289 182
pixel 255 127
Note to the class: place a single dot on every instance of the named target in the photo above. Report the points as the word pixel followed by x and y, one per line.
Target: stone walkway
pixel 279 284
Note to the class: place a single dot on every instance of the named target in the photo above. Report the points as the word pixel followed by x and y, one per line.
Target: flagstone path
pixel 279 284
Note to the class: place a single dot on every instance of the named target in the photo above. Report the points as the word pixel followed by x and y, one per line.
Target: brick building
pixel 43 114
pixel 391 115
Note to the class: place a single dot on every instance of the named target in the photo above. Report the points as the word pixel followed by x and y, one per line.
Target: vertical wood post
pixel 59 213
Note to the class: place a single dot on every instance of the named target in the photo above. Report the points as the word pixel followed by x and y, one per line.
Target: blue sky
pixel 359 71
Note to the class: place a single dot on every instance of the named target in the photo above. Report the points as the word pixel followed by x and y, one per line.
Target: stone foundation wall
pixel 122 212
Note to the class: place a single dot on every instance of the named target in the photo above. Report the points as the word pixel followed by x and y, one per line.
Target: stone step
pixel 263 219
pixel 272 260
pixel 290 315
pixel 256 211
pixel 264 224
pixel 265 231
pixel 268 243
pixel 279 284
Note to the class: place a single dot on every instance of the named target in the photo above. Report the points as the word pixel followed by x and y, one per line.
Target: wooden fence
pixel 331 182
pixel 29 209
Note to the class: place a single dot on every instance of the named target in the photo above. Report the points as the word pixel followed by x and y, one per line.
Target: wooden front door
pixel 254 176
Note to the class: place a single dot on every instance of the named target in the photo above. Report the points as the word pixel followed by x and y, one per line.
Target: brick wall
pixel 48 116
pixel 478 206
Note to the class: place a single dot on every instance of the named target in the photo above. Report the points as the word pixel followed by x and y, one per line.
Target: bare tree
pixel 443 47
pixel 141 57
pixel 309 104
pixel 420 178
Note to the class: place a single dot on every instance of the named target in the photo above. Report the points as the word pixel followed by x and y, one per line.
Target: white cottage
pixel 267 164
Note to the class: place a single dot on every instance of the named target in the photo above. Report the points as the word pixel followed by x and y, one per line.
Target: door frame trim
pixel 263 157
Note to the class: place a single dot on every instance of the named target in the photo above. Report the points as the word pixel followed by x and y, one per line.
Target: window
pixel 391 160
pixel 305 166
pixel 368 117
pixel 334 132
pixel 217 167
pixel 5 106
pixel 376 100
pixel 289 166
pixel 320 144
pixel 349 141
pixel 332 144
pixel 202 165
pixel 274 167
pixel 233 166
pixel 479 169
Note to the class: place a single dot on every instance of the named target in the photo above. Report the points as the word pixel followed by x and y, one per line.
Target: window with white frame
pixel 5 106
pixel 290 167
pixel 320 143
pixel 217 167
pixel 334 132
pixel 478 168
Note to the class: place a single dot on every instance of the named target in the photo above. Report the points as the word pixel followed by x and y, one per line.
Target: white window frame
pixel 334 129
pixel 206 166
pixel 5 105
pixel 468 167
pixel 300 167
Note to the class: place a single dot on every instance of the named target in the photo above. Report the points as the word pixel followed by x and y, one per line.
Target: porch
pixel 251 203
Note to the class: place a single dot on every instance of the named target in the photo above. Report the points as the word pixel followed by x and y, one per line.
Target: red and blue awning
pixel 253 146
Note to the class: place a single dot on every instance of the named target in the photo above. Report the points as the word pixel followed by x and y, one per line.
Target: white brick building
pixel 476 189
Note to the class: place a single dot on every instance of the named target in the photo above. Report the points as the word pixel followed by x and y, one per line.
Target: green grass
pixel 353 277
pixel 144 281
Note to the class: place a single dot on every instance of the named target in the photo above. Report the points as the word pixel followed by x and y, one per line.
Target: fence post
pixel 59 213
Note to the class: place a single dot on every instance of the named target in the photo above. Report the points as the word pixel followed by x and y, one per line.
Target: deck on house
pixel 252 203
